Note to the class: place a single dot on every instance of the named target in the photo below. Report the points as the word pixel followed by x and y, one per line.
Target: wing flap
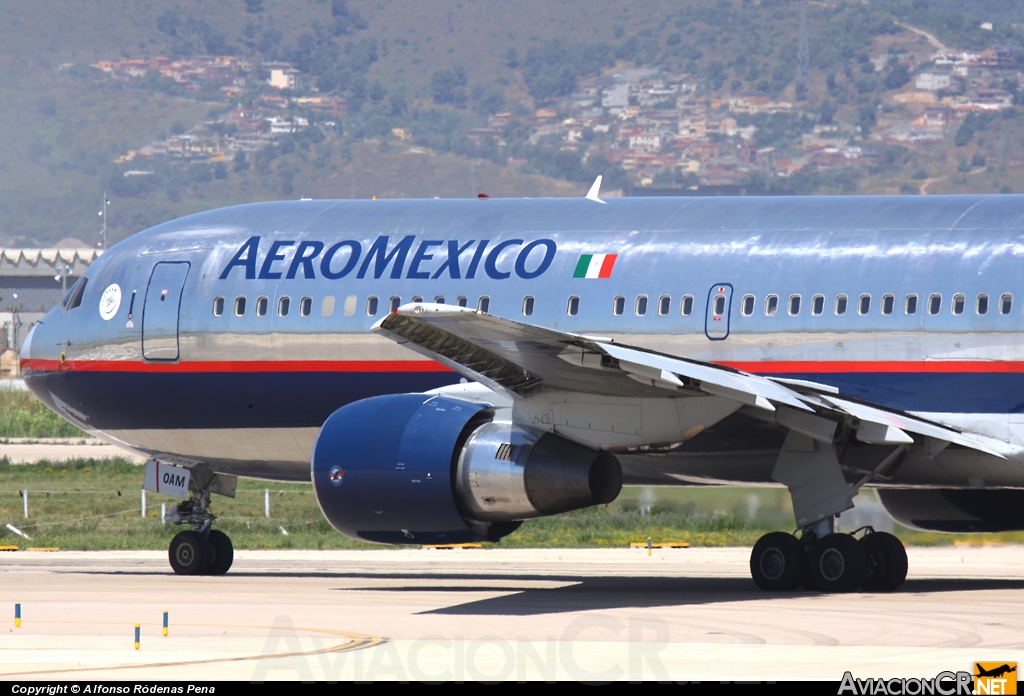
pixel 517 359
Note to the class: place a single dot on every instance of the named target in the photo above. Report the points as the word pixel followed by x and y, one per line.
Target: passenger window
pixel 686 306
pixel 1006 304
pixel 842 301
pixel 888 304
pixel 239 306
pixel 349 308
pixel 574 306
pixel 327 306
pixel 371 306
pixel 218 306
pixel 528 305
pixel 283 305
pixel 261 306
pixel 959 301
pixel 439 299
pixel 910 304
pixel 305 306
pixel 618 306
pixel 483 304
pixel 817 305
pixel 461 302
pixel 794 305
pixel 934 304
pixel 981 304
pixel 719 306
pixel 664 304
pixel 771 305
pixel 641 305
pixel 393 304
pixel 865 305
pixel 747 306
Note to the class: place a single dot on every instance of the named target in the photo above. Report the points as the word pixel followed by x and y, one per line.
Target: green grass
pixel 23 415
pixel 95 504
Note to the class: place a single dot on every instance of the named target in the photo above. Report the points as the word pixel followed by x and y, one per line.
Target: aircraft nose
pixel 26 347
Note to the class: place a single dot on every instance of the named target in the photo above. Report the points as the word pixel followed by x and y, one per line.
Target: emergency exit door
pixel 716 318
pixel 160 311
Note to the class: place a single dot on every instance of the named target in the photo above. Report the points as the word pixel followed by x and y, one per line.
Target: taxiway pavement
pixel 427 614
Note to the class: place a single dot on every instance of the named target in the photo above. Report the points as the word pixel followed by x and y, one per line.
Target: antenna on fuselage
pixel 595 191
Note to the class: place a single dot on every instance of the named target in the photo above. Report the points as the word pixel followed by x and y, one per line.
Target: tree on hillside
pixel 346 21
pixel 449 86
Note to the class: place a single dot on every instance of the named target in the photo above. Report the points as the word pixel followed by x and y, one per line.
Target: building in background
pixel 32 282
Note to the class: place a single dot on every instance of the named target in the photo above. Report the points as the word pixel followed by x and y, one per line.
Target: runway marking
pixel 359 641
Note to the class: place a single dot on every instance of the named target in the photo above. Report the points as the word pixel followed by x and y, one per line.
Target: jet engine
pixel 419 469
pixel 956 510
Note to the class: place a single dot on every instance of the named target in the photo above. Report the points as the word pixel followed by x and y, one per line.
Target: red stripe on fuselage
pixel 235 366
pixel 777 367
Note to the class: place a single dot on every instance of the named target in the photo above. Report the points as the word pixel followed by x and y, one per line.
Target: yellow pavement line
pixel 359 641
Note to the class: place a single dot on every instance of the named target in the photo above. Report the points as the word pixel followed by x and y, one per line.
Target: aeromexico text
pixel 407 257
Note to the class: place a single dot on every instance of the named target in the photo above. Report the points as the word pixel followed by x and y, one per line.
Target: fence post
pixel 266 503
pixel 143 503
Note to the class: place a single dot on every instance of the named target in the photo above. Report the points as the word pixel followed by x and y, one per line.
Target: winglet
pixel 595 190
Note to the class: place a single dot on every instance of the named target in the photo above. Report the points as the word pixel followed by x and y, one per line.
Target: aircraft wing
pixel 519 359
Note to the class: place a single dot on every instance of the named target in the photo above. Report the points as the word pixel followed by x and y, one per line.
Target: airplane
pixel 442 370
pixel 995 672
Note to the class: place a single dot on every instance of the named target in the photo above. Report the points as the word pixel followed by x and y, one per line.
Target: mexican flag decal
pixel 595 266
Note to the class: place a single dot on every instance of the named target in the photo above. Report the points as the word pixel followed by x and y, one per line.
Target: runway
pixel 425 614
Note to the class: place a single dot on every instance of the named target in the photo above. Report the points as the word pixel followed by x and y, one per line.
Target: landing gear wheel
pixel 886 561
pixel 778 562
pixel 188 553
pixel 836 564
pixel 223 553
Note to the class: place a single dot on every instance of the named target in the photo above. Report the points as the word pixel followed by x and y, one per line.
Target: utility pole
pixel 62 275
pixel 103 214
pixel 803 58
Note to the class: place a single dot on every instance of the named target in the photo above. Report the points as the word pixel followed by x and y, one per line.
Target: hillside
pixel 521 97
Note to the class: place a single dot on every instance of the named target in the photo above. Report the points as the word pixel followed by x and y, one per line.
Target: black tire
pixel 223 553
pixel 836 564
pixel 187 553
pixel 778 562
pixel 886 562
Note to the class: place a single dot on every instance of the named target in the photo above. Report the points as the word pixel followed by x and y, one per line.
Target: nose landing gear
pixel 200 550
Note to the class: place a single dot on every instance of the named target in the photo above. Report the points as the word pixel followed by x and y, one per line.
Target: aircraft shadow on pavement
pixel 596 593
pixel 586 593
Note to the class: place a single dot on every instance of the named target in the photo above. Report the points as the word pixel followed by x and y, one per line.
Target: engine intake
pixel 414 469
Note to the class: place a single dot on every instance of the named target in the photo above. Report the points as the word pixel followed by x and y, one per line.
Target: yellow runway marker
pixel 17 615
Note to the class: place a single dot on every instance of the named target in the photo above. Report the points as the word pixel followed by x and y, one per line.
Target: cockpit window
pixel 74 297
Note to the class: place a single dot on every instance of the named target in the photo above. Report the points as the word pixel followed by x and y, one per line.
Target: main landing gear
pixel 200 550
pixel 826 561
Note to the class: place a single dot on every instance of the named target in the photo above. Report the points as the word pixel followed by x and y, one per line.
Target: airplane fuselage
pixel 232 335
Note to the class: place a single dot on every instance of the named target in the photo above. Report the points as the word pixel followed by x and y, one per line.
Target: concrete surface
pixel 23 450
pixel 683 614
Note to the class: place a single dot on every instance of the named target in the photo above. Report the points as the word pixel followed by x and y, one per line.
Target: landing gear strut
pixel 827 561
pixel 200 550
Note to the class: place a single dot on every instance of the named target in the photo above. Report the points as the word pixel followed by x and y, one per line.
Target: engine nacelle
pixel 956 510
pixel 413 469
